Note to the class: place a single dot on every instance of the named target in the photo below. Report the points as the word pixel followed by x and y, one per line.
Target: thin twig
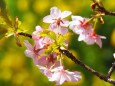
pixel 112 68
pixel 74 59
pixel 25 34
pixel 100 8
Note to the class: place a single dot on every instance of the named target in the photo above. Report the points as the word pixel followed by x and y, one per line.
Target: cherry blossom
pixel 80 25
pixel 60 75
pixel 57 17
pixel 32 52
pixel 94 38
pixel 86 33
pixel 46 71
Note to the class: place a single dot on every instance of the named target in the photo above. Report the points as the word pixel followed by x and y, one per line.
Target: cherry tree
pixel 50 45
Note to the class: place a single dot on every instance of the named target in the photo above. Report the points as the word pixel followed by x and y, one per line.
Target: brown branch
pixel 25 34
pixel 112 68
pixel 74 59
pixel 101 9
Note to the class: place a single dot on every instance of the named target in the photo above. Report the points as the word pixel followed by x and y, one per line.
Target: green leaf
pixel 60 40
pixel 52 35
pixel 49 34
pixel 10 32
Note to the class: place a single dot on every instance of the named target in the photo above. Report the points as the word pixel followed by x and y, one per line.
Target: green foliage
pixel 49 34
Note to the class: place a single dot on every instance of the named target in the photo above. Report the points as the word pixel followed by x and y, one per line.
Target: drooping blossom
pixel 80 25
pixel 32 52
pixel 56 19
pixel 46 71
pixel 86 33
pixel 60 75
pixel 94 38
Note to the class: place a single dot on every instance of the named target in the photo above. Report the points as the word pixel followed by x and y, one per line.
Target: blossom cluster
pixel 45 51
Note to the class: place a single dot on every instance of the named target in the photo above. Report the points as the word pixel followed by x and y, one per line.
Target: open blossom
pixel 92 38
pixel 60 75
pixel 32 52
pixel 80 25
pixel 57 17
pixel 46 71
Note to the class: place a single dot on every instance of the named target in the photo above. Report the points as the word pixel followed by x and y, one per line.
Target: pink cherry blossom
pixel 49 60
pixel 80 25
pixel 92 38
pixel 46 71
pixel 57 17
pixel 32 52
pixel 60 75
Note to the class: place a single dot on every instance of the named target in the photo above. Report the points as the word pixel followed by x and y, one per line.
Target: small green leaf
pixel 49 34
pixel 60 40
pixel 10 32
pixel 52 35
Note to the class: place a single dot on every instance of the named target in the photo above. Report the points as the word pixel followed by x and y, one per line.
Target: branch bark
pixel 25 34
pixel 76 61
pixel 86 67
pixel 100 8
pixel 112 68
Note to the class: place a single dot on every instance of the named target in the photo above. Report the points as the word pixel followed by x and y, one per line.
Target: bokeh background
pixel 18 70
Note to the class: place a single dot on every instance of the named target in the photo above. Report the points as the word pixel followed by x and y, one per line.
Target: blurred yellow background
pixel 18 70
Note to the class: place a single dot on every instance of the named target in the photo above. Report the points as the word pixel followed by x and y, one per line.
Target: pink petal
pixel 28 45
pixel 48 19
pixel 39 29
pixel 55 12
pixel 35 59
pixel 79 18
pixel 65 14
pixel 29 53
pixel 89 40
pixel 63 31
pixel 98 42
pixel 45 71
pixel 42 60
pixel 103 37
pixel 81 37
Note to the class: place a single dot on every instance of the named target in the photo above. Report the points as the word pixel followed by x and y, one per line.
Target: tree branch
pixel 111 70
pixel 25 34
pixel 74 59
pixel 100 8
pixel 78 62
